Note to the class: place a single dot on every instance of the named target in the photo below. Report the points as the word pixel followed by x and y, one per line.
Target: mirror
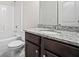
pixel 68 13
pixel 65 13
pixel 48 12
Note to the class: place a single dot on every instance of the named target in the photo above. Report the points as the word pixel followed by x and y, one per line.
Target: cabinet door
pixel 31 50
pixel 44 52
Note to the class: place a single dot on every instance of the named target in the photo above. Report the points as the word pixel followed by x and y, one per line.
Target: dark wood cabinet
pixel 49 54
pixel 36 46
pixel 61 49
pixel 32 50
pixel 32 38
pixel 32 45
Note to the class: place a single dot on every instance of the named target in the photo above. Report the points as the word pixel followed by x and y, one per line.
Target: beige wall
pixel 30 14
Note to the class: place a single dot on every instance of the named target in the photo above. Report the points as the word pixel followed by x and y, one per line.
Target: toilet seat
pixel 16 43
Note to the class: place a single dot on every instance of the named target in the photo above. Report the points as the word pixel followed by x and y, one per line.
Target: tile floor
pixel 14 53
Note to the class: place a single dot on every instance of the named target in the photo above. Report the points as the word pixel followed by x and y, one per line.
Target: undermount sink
pixel 52 32
pixel 61 34
pixel 56 32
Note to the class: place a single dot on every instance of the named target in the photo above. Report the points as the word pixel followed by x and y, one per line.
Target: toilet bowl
pixel 15 46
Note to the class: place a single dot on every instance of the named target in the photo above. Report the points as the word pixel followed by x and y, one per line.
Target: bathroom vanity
pixel 63 15
pixel 39 44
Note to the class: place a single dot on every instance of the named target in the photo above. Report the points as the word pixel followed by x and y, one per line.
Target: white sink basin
pixel 51 32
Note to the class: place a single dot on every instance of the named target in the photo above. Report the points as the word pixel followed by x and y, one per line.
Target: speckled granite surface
pixel 63 36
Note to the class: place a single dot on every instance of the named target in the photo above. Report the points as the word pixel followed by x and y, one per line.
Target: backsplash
pixel 59 27
pixel 68 28
pixel 46 26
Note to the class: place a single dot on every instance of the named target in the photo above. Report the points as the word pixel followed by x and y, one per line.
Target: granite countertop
pixel 63 36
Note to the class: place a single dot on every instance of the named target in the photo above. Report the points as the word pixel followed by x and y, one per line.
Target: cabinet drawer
pixel 33 38
pixel 60 48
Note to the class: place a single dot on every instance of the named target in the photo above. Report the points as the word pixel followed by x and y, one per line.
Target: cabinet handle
pixel 44 55
pixel 36 51
pixel 78 21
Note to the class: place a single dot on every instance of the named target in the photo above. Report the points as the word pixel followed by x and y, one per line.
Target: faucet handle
pixel 59 24
pixel 78 21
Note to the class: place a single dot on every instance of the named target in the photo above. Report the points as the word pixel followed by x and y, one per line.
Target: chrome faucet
pixel 57 26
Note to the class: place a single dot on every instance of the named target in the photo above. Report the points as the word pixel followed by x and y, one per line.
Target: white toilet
pixel 15 47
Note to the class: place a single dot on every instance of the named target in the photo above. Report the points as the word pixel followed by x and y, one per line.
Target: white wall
pixel 9 3
pixel 26 16
pixel 48 12
pixel 17 17
pixel 30 14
